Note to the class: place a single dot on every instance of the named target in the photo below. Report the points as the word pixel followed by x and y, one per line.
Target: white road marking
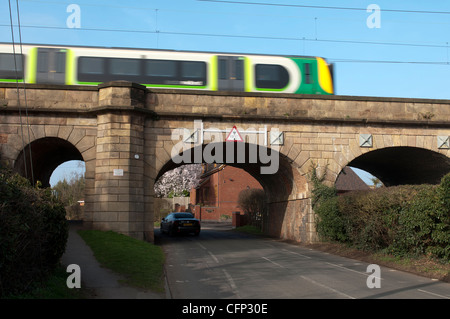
pixel 212 256
pixel 210 253
pixel 273 262
pixel 293 252
pixel 326 287
pixel 358 272
pixel 231 282
pixel 432 293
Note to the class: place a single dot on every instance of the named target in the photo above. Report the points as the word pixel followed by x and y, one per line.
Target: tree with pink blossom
pixel 179 181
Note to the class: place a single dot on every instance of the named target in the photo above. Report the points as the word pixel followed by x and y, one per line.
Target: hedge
pixel 33 234
pixel 403 220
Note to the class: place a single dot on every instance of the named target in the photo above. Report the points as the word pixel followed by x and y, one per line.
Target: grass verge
pixel 54 287
pixel 139 262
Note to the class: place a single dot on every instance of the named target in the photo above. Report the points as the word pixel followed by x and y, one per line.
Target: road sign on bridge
pixel 234 135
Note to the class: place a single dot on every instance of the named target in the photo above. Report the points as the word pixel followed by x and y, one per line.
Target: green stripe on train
pixel 11 80
pixel 31 64
pixel 70 67
pixel 154 85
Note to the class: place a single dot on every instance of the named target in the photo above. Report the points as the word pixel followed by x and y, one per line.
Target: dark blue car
pixel 178 223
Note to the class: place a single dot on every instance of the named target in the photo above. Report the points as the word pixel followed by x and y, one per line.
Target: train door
pixel 231 73
pixel 308 83
pixel 51 66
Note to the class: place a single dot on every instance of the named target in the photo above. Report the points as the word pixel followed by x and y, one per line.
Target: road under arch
pixel 278 186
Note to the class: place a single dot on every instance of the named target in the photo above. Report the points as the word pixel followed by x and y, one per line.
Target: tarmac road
pixel 222 264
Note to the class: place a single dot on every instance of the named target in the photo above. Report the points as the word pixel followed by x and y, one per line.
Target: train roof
pixel 159 50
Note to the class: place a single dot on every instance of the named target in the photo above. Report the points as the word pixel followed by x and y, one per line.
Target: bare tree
pixel 70 191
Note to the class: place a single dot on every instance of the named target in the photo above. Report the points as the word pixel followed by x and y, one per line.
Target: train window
pixel 60 62
pixel 124 67
pixel 161 68
pixel 271 76
pixel 92 69
pixel 223 69
pixel 91 65
pixel 169 72
pixel 307 72
pixel 8 66
pixel 191 70
pixel 42 64
pixel 239 69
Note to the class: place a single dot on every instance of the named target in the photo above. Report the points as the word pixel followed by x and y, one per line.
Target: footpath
pixel 102 282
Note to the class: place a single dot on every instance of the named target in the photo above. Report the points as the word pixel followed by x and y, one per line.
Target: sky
pixel 400 51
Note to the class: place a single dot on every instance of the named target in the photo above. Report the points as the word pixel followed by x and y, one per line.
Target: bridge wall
pixel 124 134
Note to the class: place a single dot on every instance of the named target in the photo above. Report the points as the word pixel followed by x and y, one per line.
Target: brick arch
pixel 47 154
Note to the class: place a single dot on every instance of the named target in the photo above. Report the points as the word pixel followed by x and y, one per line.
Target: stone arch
pixel 47 153
pixel 404 165
pixel 283 187
pixel 283 175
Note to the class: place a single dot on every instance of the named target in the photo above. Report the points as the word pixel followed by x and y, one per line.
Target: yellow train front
pixel 166 69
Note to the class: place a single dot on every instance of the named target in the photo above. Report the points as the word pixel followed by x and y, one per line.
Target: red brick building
pixel 217 195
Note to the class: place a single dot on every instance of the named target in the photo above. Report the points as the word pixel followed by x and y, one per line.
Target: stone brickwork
pixel 125 134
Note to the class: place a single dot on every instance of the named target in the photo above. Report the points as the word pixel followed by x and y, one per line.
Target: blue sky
pixel 413 35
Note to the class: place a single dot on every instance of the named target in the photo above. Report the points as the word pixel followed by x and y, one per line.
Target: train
pixel 80 65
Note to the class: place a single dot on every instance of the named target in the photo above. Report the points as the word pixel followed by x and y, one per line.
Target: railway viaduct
pixel 128 136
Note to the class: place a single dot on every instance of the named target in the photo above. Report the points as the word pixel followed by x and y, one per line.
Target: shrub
pixel 424 224
pixel 404 220
pixel 372 216
pixel 329 221
pixel 441 234
pixel 33 234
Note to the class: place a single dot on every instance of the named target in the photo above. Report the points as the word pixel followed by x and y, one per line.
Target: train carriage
pixel 73 65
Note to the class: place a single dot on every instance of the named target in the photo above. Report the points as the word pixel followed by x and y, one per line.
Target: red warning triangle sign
pixel 234 135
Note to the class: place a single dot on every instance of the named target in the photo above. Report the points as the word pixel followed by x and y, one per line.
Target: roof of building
pixel 348 180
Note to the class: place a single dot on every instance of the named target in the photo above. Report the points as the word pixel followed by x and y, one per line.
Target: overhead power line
pixel 322 7
pixel 332 60
pixel 262 37
pixel 18 89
